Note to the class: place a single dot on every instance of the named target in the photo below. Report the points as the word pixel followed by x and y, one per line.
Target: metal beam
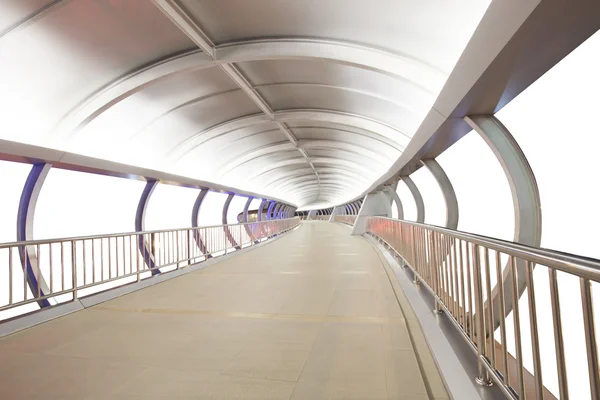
pixel 195 214
pixel 396 200
pixel 261 208
pixel 270 210
pixel 30 154
pixel 226 229
pixel 447 191
pixel 25 219
pixel 418 198
pixel 322 115
pixel 146 242
pixel 525 194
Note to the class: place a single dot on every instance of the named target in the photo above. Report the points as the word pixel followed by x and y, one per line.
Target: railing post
pixel 74 269
pixel 483 377
pixel 433 251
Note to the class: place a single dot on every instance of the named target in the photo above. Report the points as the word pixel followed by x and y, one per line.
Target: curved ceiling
pixel 307 101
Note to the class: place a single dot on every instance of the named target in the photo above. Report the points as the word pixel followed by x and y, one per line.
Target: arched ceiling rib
pixel 315 108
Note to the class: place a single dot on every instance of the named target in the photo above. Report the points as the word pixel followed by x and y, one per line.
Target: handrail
pixel 345 219
pixel 460 269
pixel 64 269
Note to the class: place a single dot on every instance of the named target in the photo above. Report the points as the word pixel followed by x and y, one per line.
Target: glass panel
pixel 409 206
pixel 236 208
pixel 484 200
pixel 75 204
pixel 13 176
pixel 435 207
pixel 170 207
pixel 211 211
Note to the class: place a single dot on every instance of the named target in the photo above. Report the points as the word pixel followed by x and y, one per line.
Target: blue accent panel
pixel 25 213
pixel 139 226
pixel 195 215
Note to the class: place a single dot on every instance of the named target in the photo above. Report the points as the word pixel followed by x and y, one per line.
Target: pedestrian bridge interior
pixel 275 199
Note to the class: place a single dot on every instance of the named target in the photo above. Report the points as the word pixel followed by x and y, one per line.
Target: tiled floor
pixel 309 316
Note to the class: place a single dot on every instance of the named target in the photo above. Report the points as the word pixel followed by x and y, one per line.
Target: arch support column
pixel 396 199
pixel 195 214
pixel 228 234
pixel 270 210
pixel 146 242
pixel 447 191
pixel 376 204
pixel 525 195
pixel 418 198
pixel 25 218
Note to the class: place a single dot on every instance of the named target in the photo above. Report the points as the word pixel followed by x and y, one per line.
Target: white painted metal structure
pixel 310 101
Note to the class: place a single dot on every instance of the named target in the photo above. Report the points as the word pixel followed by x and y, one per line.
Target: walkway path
pixel 309 316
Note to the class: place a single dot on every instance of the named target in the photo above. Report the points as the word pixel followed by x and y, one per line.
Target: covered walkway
pixel 312 315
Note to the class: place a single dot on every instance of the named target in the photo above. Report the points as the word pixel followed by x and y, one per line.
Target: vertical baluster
pixel 84 265
pixel 558 336
pixel 517 329
pixel 456 294
pixel 93 261
pixel 109 259
pixel 502 318
pixel 462 287
pixel 74 268
pixel 469 293
pixel 62 266
pixel 590 337
pixel 10 275
pixel 51 268
pixel 489 331
pixel 483 377
pixel 38 271
pixel 535 343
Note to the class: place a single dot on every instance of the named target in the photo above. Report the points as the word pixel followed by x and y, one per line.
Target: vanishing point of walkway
pixel 310 316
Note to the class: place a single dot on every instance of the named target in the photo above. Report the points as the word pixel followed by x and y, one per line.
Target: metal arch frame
pixel 270 209
pixel 288 185
pixel 293 188
pixel 195 214
pixel 374 126
pixel 366 134
pixel 525 194
pixel 140 226
pixel 396 200
pixel 352 155
pixel 292 178
pixel 332 143
pixel 261 209
pixel 305 49
pixel 447 189
pixel 25 219
pixel 238 160
pixel 276 210
pixel 226 229
pixel 328 161
pixel 405 106
pixel 323 172
pixel 245 219
pixel 416 194
pixel 246 208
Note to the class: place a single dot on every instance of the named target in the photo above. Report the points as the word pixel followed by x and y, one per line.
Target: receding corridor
pixel 310 316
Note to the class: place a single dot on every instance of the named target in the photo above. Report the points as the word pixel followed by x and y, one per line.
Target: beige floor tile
pixel 328 391
pixel 311 314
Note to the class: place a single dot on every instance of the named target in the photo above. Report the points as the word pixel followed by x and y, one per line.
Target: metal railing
pixel 60 270
pixel 319 218
pixel 465 274
pixel 345 219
